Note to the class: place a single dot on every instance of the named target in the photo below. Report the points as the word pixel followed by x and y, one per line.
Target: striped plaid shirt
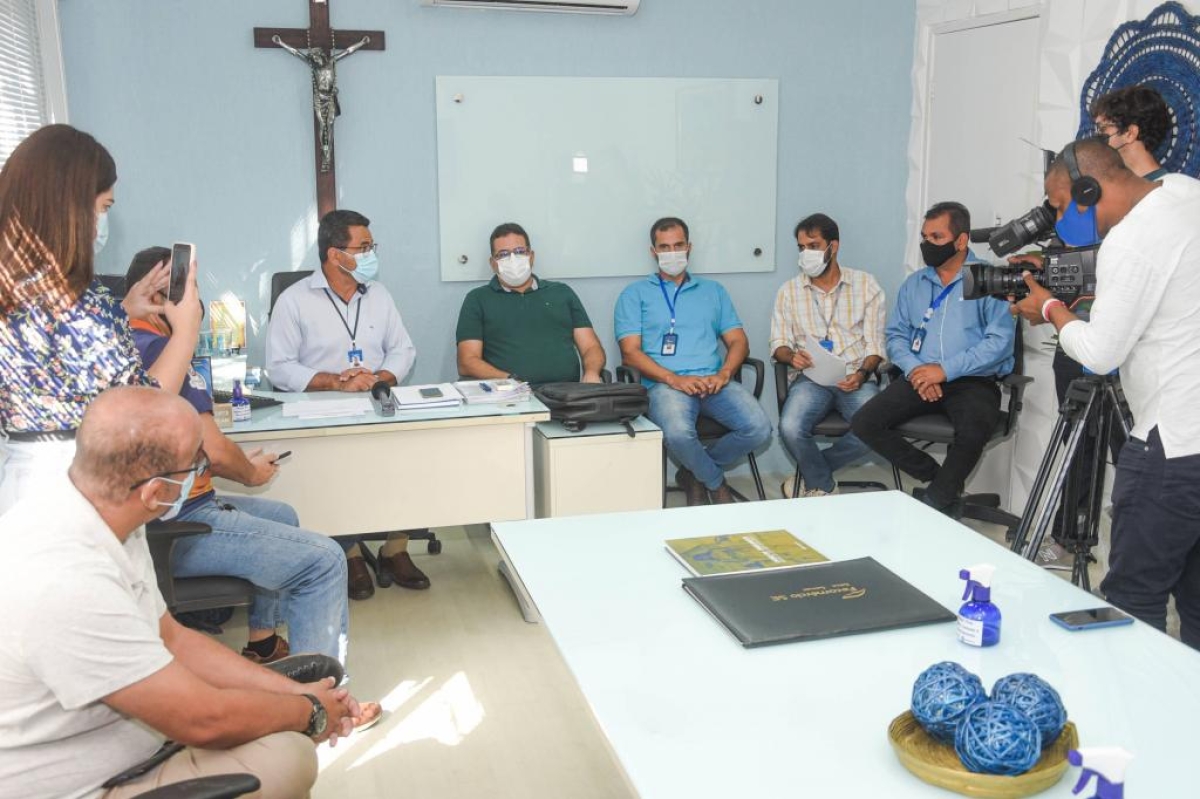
pixel 852 315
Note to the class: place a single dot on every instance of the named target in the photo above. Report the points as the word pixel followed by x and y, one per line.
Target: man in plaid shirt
pixel 841 310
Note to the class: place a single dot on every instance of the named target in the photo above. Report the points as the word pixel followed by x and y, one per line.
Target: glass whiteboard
pixel 586 165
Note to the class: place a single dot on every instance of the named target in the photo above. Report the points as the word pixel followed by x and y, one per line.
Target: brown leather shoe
pixel 358 579
pixel 403 571
pixel 693 489
pixel 722 494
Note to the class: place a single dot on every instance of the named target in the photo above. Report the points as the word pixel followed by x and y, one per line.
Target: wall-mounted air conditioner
pixel 563 6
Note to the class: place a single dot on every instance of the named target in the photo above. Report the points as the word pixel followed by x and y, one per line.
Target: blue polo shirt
pixel 969 338
pixel 703 313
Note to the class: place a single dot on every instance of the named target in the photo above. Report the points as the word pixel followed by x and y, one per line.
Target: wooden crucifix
pixel 321 48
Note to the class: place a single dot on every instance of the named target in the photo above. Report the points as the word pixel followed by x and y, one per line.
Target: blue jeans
pixel 260 540
pixel 807 404
pixel 733 406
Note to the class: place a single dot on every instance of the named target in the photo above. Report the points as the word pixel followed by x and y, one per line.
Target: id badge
pixel 355 356
pixel 826 344
pixel 918 340
pixel 670 342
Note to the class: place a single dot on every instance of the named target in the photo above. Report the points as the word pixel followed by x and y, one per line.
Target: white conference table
pixel 472 464
pixel 690 713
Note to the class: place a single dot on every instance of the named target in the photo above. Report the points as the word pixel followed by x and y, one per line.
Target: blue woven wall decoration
pixel 1162 52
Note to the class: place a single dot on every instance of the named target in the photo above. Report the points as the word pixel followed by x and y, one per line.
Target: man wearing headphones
pixel 1143 321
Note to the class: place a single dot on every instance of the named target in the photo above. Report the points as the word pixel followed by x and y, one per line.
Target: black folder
pixel 816 601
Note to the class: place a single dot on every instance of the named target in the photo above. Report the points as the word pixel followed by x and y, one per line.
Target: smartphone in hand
pixel 182 255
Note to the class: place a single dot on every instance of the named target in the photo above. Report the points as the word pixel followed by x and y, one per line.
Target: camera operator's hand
pixel 1031 260
pixel 1031 306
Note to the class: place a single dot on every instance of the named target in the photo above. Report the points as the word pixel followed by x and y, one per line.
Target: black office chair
pixel 710 429
pixel 832 426
pixel 189 594
pixel 114 283
pixel 935 428
pixel 281 282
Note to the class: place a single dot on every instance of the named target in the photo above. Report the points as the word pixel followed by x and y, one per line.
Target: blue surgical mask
pixel 101 232
pixel 366 267
pixel 1077 228
pixel 185 488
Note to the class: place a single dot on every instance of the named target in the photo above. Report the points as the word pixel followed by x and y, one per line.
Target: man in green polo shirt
pixel 519 325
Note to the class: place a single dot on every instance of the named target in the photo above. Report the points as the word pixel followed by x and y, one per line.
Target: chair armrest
pixel 219 786
pixel 161 538
pixel 781 383
pixel 760 374
pixel 606 376
pixel 628 374
pixel 1015 385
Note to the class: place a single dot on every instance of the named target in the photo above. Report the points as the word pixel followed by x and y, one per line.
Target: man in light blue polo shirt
pixel 670 327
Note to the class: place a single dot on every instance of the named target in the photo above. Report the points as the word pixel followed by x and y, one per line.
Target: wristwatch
pixel 866 375
pixel 318 720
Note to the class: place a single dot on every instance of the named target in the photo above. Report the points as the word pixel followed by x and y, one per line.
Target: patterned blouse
pixel 52 366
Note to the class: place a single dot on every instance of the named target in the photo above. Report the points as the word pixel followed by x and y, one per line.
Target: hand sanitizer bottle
pixel 978 618
pixel 241 405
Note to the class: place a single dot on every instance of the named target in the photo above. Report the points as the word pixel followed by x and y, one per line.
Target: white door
pixel 982 103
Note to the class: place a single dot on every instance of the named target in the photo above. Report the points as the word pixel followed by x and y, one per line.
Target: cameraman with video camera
pixel 1145 320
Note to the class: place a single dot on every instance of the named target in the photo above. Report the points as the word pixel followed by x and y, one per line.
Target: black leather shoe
pixel 403 571
pixel 309 668
pixel 722 494
pixel 358 579
pixel 693 489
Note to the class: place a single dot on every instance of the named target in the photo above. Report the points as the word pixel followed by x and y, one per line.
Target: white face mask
pixel 514 269
pixel 672 263
pixel 812 262
pixel 101 233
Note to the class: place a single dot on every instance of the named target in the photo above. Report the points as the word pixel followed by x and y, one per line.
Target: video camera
pixel 1068 272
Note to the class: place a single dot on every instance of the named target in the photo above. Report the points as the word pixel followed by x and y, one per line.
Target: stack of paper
pixel 435 395
pixel 327 409
pixel 827 369
pixel 492 392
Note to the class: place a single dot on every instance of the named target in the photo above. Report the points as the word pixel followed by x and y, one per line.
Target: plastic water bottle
pixel 241 405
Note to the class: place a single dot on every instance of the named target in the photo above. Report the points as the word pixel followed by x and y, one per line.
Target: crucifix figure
pixel 322 62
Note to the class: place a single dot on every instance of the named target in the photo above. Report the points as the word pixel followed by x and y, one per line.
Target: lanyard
pixel 353 334
pixel 662 285
pixel 833 315
pixel 934 304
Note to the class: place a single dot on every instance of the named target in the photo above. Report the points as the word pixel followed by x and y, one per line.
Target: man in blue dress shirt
pixel 951 351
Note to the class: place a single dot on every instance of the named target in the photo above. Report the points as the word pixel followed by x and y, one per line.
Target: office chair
pixel 188 594
pixel 832 426
pixel 281 282
pixel 935 428
pixel 218 786
pixel 710 429
pixel 114 283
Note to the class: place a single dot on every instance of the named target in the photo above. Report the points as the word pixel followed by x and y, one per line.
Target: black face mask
pixel 937 254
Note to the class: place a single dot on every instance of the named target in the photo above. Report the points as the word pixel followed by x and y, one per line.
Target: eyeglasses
pixel 199 467
pixel 1106 130
pixel 500 255
pixel 362 249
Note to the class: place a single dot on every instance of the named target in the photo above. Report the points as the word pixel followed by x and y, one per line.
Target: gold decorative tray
pixel 936 763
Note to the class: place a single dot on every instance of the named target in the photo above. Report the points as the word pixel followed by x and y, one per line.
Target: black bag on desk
pixel 576 404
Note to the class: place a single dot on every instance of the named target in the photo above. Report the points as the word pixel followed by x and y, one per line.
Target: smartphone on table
pixel 432 392
pixel 1091 618
pixel 182 255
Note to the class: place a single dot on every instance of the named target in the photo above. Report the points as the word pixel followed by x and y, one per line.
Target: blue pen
pixel 485 386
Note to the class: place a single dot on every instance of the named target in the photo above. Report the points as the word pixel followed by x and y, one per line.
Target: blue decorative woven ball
pixel 995 738
pixel 940 696
pixel 1037 698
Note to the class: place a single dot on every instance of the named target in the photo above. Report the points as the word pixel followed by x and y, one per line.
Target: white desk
pixel 366 474
pixel 690 713
pixel 600 469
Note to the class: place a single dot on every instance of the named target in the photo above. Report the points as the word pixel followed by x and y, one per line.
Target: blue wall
pixel 213 138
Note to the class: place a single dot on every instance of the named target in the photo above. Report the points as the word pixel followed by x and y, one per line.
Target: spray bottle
pixel 978 618
pixel 1107 764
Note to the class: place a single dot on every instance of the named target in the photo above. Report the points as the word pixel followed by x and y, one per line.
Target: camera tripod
pixel 1092 406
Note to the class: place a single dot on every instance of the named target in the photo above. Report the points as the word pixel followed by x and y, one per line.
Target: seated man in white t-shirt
pixel 94 672
pixel 339 330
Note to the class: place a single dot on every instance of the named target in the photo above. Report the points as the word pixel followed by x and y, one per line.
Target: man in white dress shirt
pixel 339 330
pixel 1144 321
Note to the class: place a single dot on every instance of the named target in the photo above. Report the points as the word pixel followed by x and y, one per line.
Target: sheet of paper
pixel 327 409
pixel 827 369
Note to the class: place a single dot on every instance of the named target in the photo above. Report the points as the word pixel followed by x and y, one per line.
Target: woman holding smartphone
pixel 63 337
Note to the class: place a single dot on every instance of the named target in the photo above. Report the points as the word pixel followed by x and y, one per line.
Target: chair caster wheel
pixel 435 547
